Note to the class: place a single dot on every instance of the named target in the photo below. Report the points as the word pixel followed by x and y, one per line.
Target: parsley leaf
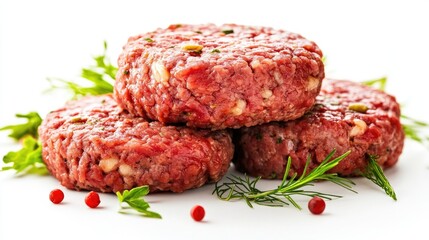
pixel 26 160
pixel 29 128
pixel 101 76
pixel 134 198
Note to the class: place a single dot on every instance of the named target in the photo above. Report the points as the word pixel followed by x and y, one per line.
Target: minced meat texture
pixel 92 144
pixel 347 116
pixel 218 77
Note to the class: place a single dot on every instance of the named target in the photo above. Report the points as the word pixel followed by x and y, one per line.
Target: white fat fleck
pixel 160 72
pixel 313 83
pixel 108 164
pixel 278 77
pixel 267 93
pixel 255 64
pixel 359 128
pixel 239 107
pixel 290 145
pixel 125 170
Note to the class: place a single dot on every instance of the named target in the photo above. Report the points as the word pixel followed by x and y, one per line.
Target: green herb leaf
pixel 100 78
pixel 148 39
pixel 375 173
pixel 29 128
pixel 245 189
pixel 26 160
pixel 379 83
pixel 415 129
pixel 228 31
pixel 134 198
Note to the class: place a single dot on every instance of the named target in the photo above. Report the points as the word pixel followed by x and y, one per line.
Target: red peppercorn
pixel 56 196
pixel 92 199
pixel 198 213
pixel 316 205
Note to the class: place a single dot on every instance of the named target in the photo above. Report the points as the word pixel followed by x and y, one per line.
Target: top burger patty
pixel 217 77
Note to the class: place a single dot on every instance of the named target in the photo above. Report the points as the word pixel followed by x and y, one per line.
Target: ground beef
pixel 218 77
pixel 93 144
pixel 339 120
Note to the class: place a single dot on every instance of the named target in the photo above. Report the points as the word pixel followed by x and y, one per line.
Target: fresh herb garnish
pixel 228 31
pixel 148 40
pixel 101 76
pixel 134 198
pixel 26 160
pixel 215 50
pixel 245 189
pixel 29 158
pixel 29 128
pixel 375 173
pixel 414 129
pixel 379 83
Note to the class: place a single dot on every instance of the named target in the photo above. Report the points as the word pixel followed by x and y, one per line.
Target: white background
pixel 361 39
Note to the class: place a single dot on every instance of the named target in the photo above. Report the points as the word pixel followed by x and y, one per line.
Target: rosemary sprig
pixel 413 129
pixel 245 189
pixel 100 76
pixel 375 173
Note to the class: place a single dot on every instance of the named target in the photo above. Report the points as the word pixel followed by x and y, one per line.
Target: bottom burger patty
pixel 347 116
pixel 92 144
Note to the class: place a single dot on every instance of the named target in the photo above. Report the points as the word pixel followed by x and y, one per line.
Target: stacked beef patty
pixel 93 144
pixel 346 116
pixel 181 92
